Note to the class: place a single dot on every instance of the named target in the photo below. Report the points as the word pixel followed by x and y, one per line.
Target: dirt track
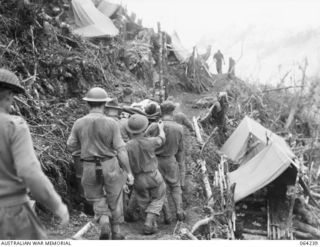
pixel 134 230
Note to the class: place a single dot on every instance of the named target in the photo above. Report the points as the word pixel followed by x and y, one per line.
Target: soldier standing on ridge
pixel 231 70
pixel 20 171
pixel 99 139
pixel 218 56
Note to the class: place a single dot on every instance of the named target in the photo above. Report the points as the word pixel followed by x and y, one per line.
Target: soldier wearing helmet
pixel 20 171
pixel 113 110
pixel 149 187
pixel 171 158
pixel 99 139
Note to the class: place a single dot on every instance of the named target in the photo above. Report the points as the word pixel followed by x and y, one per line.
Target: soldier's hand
pixel 126 189
pixel 160 124
pixel 63 214
pixel 130 179
pixel 183 188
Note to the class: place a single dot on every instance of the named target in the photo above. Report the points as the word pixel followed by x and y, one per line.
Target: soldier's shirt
pixel 95 135
pixel 141 153
pixel 174 138
pixel 123 127
pixel 149 187
pixel 218 56
pixel 20 169
pixel 169 153
pixel 182 119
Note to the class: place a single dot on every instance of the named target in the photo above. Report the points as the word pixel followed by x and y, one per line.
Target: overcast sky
pixel 257 25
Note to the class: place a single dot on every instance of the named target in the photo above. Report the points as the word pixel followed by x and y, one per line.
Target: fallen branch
pixel 207 141
pixel 205 221
pixel 302 235
pixel 306 228
pixel 83 230
pixel 197 130
pixel 21 101
pixel 317 195
pixel 205 181
pixel 188 234
pixel 282 88
pixel 6 47
pixel 255 232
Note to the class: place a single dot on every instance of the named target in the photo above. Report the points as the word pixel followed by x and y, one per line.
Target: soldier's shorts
pixel 107 197
pixel 169 170
pixel 150 191
pixel 20 222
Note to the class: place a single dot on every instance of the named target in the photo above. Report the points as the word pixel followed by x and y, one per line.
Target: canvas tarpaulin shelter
pixel 91 22
pixel 263 156
pixel 179 50
pixel 107 8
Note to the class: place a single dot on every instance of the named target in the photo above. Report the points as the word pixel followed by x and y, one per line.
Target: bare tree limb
pixel 83 230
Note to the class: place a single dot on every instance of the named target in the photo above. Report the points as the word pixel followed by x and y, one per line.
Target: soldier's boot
pixel 131 216
pixel 166 212
pixel 150 225
pixel 131 213
pixel 177 198
pixel 116 232
pixel 105 228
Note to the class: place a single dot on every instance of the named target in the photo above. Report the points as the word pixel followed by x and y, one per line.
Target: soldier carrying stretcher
pixel 99 139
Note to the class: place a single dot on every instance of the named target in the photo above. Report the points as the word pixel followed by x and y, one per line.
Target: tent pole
pixel 160 62
pixel 293 199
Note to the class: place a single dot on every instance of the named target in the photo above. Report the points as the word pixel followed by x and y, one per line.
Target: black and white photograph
pixel 159 120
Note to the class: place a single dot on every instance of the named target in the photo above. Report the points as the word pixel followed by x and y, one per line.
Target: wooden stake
pixel 205 181
pixel 160 62
pixel 268 220
pixel 197 130
pixel 293 198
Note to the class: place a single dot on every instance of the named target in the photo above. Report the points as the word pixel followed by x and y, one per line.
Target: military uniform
pixel 122 125
pixel 97 135
pixel 19 172
pixel 219 58
pixel 149 186
pixel 171 161
pixel 182 119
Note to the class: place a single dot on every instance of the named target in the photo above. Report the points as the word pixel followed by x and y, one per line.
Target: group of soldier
pixel 118 152
pixel 115 153
pixel 219 59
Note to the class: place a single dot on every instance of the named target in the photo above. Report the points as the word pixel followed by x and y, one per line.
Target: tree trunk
pixel 306 228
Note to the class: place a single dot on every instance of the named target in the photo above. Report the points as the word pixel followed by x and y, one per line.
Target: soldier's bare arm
pixel 29 169
pixel 73 142
pixel 119 145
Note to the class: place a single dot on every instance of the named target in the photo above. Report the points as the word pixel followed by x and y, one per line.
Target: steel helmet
pixel 167 107
pixel 9 80
pixel 113 103
pixel 137 124
pixel 97 94
pixel 151 108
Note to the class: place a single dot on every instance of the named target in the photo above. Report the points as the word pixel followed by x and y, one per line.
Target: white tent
pixel 107 8
pixel 179 50
pixel 91 22
pixel 263 156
